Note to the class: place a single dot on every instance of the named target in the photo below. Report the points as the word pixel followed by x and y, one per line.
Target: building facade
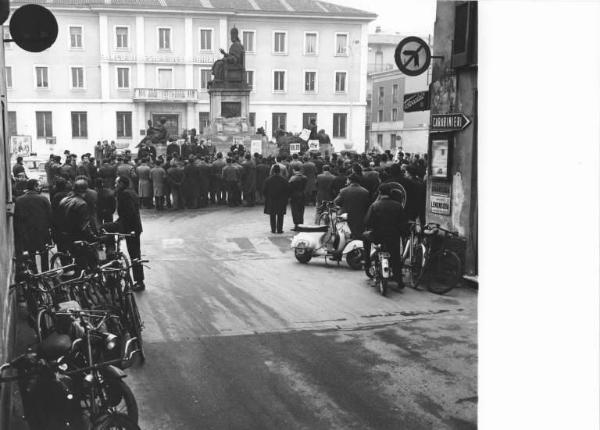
pixel 116 65
pixel 452 199
pixel 392 128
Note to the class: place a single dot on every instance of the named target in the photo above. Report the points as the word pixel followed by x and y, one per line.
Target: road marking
pixel 172 243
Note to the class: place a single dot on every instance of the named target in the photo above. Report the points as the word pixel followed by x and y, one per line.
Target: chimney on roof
pixel 378 29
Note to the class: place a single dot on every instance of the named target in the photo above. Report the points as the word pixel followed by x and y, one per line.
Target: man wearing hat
pixel 388 222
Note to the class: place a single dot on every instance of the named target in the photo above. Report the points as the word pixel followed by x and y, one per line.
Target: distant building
pixel 117 64
pixel 391 127
pixel 381 65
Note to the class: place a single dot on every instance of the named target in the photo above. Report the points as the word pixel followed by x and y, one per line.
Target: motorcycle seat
pixel 312 228
pixel 54 346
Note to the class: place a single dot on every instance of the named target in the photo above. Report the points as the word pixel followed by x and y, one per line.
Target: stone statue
pixel 231 67
pixel 156 134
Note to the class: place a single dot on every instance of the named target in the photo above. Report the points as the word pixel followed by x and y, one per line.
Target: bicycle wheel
pixel 118 399
pixel 442 272
pixel 116 422
pixel 135 323
pixel 126 262
pixel 382 285
pixel 416 263
pixel 44 324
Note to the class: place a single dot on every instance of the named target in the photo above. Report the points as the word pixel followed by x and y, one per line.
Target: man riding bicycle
pixel 387 221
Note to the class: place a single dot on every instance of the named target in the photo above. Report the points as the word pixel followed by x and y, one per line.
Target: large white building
pixel 118 63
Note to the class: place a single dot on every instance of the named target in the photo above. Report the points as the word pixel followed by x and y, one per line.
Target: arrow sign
pixel 449 122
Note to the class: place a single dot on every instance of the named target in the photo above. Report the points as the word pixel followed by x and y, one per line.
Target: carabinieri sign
pixel 449 122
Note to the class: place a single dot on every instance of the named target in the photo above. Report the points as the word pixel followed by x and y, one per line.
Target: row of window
pixel 79 123
pixel 206 40
pixel 165 78
pixel 395 94
pixel 394 115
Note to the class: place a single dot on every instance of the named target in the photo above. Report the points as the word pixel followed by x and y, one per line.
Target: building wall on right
pixel 452 178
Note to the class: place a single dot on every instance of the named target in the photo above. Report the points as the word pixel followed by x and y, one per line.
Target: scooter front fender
pixel 352 245
pixel 112 372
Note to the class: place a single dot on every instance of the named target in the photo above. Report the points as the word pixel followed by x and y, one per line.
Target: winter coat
pixel 354 200
pixel 324 187
pixel 310 171
pixel 128 208
pixel 248 176
pixel 32 221
pixel 276 192
pixel 144 183
pixel 158 175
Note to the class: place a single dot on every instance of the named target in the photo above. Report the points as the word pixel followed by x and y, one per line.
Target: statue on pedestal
pixel 156 134
pixel 231 68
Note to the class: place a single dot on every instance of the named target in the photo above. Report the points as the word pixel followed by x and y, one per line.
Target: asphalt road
pixel 239 335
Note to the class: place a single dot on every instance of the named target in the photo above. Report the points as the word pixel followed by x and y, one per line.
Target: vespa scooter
pixel 331 241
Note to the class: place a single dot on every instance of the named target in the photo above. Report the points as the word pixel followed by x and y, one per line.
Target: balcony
pixel 164 95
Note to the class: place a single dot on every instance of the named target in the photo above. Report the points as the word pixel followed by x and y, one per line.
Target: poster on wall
pixel 439 158
pixel 20 146
pixel 440 204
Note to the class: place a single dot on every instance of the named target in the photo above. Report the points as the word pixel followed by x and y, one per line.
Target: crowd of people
pixel 85 194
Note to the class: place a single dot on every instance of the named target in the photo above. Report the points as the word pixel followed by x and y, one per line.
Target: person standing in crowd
pixel 107 173
pixel 388 222
pixel 129 221
pixel 67 170
pixel 176 177
pixel 98 151
pixel 91 198
pixel 282 167
pixel 295 162
pixel 144 183
pixel 158 176
pixel 107 203
pixel 249 180
pixel 371 180
pixel 32 222
pixel 231 180
pixel 297 187
pixel 276 192
pixel 324 185
pixel 173 149
pixel 18 168
pixel 60 192
pixel 204 172
pixel 262 172
pixel 418 195
pixel 354 200
pixel 189 188
pixel 167 184
pixel 217 191
pixel 339 181
pixel 124 169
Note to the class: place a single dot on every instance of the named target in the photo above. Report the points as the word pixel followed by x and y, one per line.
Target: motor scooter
pixel 331 241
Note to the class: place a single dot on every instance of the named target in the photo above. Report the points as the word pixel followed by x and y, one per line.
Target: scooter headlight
pixel 111 341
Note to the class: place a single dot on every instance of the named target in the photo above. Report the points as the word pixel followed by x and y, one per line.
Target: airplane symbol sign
pixel 413 56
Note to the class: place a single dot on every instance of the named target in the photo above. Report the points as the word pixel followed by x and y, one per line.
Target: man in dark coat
pixel 310 171
pixel 388 222
pixel 108 174
pixel 249 180
pixel 297 185
pixel 354 200
pixel 175 179
pixel 276 192
pixel 128 209
pixel 204 171
pixel 173 149
pixel 107 202
pixel 32 222
pixel 18 167
pixel 191 183
pixel 324 186
pixel 371 181
pixel 339 182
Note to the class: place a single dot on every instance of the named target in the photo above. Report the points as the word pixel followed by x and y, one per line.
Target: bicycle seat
pixel 54 346
pixel 430 231
pixel 312 228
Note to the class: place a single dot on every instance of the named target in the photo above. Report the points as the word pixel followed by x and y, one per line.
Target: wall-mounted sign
pixel 440 205
pixel 439 158
pixel 416 102
pixel 449 122
pixel 440 188
pixel 51 141
pixel 412 56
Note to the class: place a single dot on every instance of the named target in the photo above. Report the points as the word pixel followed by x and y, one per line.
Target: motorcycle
pixel 331 240
pixel 379 269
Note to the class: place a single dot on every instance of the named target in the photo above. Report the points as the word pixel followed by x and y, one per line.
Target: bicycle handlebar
pixel 119 235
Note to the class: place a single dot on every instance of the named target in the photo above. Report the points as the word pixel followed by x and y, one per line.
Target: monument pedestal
pixel 229 101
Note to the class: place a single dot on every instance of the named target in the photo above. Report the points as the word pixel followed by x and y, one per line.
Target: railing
pixel 165 94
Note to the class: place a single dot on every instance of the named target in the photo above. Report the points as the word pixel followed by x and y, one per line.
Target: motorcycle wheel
pixel 121 400
pixel 303 256
pixel 355 259
pixel 115 421
pixel 382 286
